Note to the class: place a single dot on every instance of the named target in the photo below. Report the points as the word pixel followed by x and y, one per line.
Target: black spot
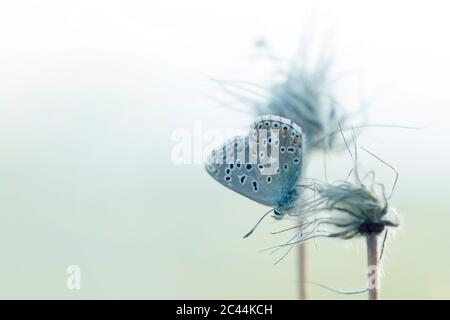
pixel 227 178
pixel 227 171
pixel 282 149
pixel 371 227
pixel 285 128
pixel 231 166
pixel 248 166
pixel 291 149
pixel 286 166
pixel 238 165
pixel 269 179
pixel 242 179
pixel 270 140
pixel 296 160
pixel 275 125
pixel 260 126
pixel 260 166
pixel 255 186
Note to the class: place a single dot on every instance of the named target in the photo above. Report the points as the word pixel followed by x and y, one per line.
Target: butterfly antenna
pixel 259 221
pixel 387 164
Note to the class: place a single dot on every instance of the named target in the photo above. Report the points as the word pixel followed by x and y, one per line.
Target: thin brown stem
pixel 302 271
pixel 373 267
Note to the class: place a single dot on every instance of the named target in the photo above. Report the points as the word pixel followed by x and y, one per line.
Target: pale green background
pixel 91 91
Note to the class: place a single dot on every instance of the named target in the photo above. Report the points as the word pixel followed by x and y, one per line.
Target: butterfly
pixel 263 166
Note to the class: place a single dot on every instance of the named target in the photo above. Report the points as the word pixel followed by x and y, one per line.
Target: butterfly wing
pixel 263 166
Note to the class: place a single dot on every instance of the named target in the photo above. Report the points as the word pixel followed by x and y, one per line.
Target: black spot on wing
pixel 255 186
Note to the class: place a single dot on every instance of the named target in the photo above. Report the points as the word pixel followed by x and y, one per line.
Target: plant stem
pixel 302 271
pixel 373 267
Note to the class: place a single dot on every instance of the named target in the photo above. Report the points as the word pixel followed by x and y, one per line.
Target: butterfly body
pixel 286 202
pixel 263 166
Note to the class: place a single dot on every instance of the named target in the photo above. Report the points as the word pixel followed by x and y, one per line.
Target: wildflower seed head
pixel 307 99
pixel 305 93
pixel 360 208
pixel 344 210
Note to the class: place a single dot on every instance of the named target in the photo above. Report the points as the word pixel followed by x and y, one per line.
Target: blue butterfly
pixel 263 166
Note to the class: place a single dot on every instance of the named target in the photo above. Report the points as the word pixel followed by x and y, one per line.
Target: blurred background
pixel 91 93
